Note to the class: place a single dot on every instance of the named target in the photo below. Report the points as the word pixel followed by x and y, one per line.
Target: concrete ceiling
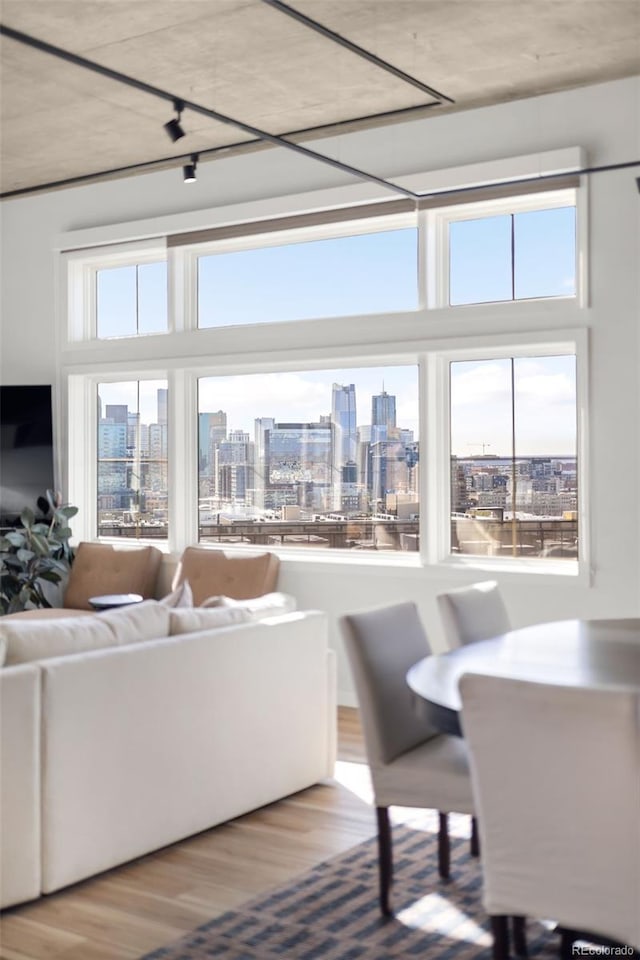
pixel 245 59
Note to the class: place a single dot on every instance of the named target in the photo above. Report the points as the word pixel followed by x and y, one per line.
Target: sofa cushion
pixel 99 568
pixel 29 640
pixel 258 608
pixel 47 613
pixel 182 596
pixel 136 622
pixel 213 573
pixel 185 620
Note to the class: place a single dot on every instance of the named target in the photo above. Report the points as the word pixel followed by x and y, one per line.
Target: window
pixel 132 473
pixel 514 479
pixel 131 300
pixel 341 276
pixel 325 459
pixel 513 256
pixel 366 425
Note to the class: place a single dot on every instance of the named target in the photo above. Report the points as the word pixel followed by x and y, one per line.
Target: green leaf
pixel 15 538
pixel 67 511
pixel 24 556
pixel 27 517
pixel 40 544
pixel 51 576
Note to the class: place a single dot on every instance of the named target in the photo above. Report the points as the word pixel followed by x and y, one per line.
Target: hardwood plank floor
pixel 128 911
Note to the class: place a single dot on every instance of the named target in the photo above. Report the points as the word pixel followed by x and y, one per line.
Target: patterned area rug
pixel 331 913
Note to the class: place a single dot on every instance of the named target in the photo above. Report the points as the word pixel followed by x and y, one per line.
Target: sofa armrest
pixel 19 784
pixel 150 743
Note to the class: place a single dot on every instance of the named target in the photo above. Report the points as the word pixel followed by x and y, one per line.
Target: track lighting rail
pixel 158 92
pixel 355 48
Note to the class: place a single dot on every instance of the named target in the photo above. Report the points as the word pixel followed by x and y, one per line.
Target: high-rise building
pixel 296 464
pixel 117 412
pixel 383 410
pixel 343 417
pixel 234 468
pixel 212 429
pixel 345 437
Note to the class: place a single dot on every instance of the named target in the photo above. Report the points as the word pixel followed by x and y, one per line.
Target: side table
pixel 109 601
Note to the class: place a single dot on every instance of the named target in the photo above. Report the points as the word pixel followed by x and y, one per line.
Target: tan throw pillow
pixel 212 572
pixel 182 596
pixel 28 640
pixel 136 622
pixel 258 608
pixel 192 620
pixel 100 568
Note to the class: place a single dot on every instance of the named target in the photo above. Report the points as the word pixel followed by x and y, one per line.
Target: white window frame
pixel 185 259
pixel 439 222
pixel 427 336
pixel 574 342
pixel 82 271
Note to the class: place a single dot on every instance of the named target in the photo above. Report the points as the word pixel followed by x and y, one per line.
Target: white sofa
pixel 109 753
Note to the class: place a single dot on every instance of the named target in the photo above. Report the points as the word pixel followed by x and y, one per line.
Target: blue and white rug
pixel 332 913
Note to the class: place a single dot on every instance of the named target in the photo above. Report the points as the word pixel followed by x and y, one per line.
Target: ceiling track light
pixel 189 169
pixel 174 127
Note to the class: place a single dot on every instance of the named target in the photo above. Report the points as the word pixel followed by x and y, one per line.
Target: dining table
pixel 577 653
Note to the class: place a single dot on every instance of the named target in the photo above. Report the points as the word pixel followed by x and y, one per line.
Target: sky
pixel 365 274
pixel 545 407
pixel 302 397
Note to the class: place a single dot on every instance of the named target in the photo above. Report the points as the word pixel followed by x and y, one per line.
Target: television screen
pixel 26 450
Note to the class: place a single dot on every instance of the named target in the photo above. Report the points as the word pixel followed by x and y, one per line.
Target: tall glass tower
pixel 343 417
pixel 383 410
pixel 345 442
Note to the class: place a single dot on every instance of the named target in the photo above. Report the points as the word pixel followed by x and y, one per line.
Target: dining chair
pixel 412 764
pixel 556 778
pixel 473 613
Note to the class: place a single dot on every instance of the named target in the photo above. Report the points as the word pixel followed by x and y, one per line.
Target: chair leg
pixel 567 939
pixel 519 936
pixel 475 839
pixel 385 858
pixel 500 931
pixel 443 846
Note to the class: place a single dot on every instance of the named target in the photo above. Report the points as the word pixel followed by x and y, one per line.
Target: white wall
pixel 604 120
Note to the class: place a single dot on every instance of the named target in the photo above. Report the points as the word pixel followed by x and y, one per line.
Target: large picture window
pixel 324 458
pixel 378 421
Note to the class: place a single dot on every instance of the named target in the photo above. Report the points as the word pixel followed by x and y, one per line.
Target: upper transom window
pixel 131 300
pixel 366 273
pixel 521 249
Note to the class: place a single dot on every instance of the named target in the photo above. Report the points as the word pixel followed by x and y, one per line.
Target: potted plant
pixel 33 555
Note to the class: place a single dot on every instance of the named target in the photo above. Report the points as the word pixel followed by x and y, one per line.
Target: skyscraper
pixel 383 410
pixel 343 417
pixel 212 429
pixel 345 440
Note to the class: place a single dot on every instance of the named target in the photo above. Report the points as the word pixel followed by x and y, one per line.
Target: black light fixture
pixel 174 127
pixel 638 183
pixel 189 169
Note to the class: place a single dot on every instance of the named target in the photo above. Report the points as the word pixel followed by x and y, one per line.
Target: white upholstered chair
pixel 556 777
pixel 412 765
pixel 473 613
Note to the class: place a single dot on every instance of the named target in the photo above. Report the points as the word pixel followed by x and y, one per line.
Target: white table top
pixel 581 653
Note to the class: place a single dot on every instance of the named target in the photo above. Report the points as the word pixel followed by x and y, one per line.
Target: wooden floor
pixel 123 914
